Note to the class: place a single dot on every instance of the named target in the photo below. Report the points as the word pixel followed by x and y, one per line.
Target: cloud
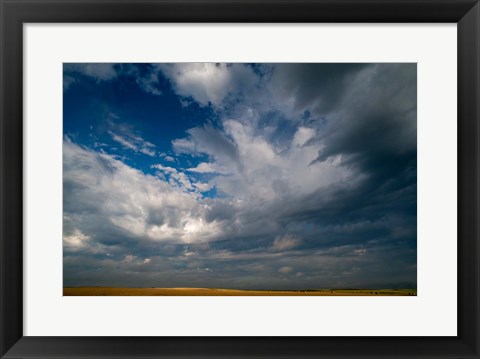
pixel 103 193
pixel 76 240
pixel 112 203
pixel 97 71
pixel 203 187
pixel 205 167
pixel 166 157
pixel 125 136
pixel 149 83
pixel 208 83
pixel 376 116
pixel 285 270
pixel 147 77
pixel 282 243
pixel 68 81
pixel 177 178
pixel 123 141
pixel 313 87
pixel 252 168
pixel 129 258
pixel 180 180
pixel 291 89
pixel 207 140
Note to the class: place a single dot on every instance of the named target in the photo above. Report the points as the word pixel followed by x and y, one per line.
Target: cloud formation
pixel 97 71
pixel 126 137
pixel 305 177
pixel 209 83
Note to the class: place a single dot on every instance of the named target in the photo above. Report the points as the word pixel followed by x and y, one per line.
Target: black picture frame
pixel 14 13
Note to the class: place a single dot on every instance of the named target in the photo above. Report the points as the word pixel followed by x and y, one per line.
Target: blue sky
pixel 276 176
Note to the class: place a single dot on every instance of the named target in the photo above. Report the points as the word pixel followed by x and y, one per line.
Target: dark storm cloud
pixel 371 122
pixel 300 82
pixel 377 116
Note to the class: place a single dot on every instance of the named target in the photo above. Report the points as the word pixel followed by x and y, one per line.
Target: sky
pixel 250 176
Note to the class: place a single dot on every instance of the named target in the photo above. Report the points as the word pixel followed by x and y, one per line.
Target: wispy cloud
pixel 131 140
pixel 148 81
pixel 205 167
pixel 97 71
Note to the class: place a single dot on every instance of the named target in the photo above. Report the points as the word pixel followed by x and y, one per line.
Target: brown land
pixel 110 291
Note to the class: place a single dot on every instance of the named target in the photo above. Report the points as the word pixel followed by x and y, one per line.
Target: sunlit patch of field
pixel 111 291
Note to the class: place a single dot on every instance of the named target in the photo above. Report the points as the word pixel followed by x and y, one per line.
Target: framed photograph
pixel 236 178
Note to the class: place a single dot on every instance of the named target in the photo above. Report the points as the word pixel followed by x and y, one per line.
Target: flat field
pixel 112 291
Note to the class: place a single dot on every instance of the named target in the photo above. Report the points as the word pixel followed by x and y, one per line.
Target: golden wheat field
pixel 111 291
